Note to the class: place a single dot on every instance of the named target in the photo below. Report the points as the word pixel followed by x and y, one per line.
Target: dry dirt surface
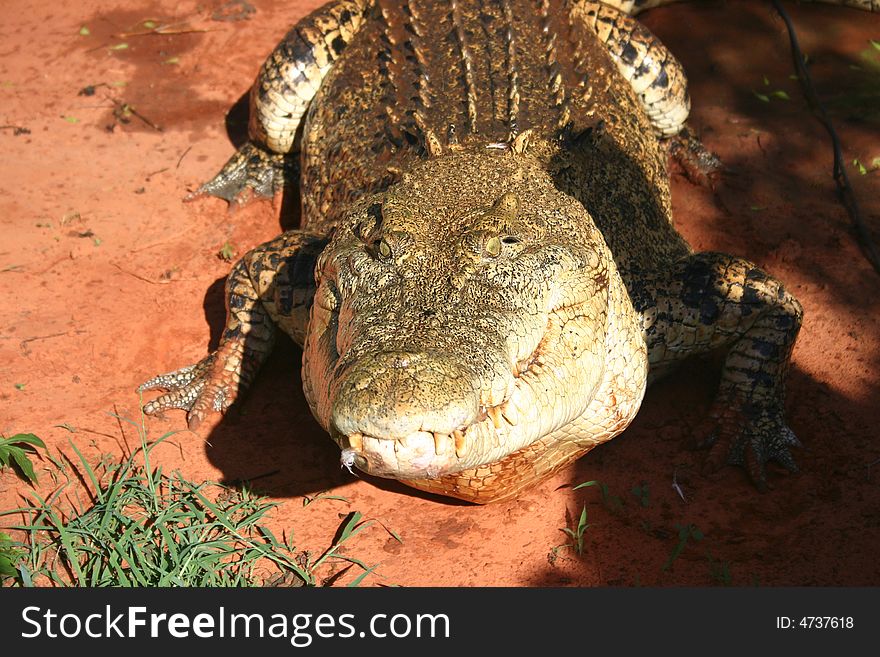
pixel 108 278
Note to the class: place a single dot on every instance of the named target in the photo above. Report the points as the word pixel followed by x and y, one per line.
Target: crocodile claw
pixel 197 389
pixel 699 165
pixel 251 172
pixel 750 435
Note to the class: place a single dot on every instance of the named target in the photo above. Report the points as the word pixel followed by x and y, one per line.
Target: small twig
pixel 245 481
pixel 23 343
pixel 839 171
pixel 144 278
pixel 150 246
pixel 98 433
pixel 126 107
pixel 126 449
pixel 189 148
pixel 165 30
pixel 16 129
pixel 156 173
pixel 56 262
pixel 677 487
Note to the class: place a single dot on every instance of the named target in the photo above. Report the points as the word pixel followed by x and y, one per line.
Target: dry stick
pixel 16 129
pixel 142 278
pixel 183 156
pixel 165 30
pixel 847 196
pixel 23 345
pixel 125 106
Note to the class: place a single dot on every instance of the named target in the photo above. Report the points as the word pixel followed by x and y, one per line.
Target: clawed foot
pixel 211 385
pixel 251 172
pixel 700 165
pixel 750 434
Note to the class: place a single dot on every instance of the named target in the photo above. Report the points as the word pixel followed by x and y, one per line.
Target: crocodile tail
pixel 633 7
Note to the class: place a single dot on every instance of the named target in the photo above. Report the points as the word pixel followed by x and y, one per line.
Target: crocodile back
pixel 424 77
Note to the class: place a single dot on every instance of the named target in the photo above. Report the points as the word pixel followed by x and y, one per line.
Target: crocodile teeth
pixel 508 410
pixel 494 412
pixel 356 442
pixel 441 442
pixel 460 443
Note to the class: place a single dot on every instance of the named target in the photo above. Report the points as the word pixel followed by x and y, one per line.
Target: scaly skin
pixel 496 275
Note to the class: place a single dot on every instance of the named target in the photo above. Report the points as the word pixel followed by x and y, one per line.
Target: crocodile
pixel 487 276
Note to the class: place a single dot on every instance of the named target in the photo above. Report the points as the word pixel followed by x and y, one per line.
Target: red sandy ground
pixel 108 278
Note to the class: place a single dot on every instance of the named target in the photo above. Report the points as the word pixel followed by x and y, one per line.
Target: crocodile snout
pixel 392 395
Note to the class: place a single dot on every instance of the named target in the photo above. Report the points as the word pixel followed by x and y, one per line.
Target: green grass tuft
pixel 143 527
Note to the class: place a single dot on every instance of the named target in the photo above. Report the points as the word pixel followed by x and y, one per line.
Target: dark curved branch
pixel 844 188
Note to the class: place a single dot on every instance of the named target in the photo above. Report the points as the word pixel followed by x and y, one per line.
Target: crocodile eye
pixel 384 249
pixel 493 246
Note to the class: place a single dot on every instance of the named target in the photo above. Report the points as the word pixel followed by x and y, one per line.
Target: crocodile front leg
pixel 714 301
pixel 270 288
pixel 287 82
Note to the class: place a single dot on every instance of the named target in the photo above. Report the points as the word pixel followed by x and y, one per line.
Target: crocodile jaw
pixel 412 440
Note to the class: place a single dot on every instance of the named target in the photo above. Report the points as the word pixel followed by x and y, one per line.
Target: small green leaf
pixel 12 451
pixel 9 555
pixel 875 44
pixel 97 241
pixel 172 60
pixel 119 46
pixel 24 464
pixel 226 252
pixel 780 94
pixel 875 163
pixel 766 81
pixel 308 500
pixel 20 386
pixel 761 97
pixel 84 31
pixel 861 167
pixel 582 521
pixel 70 119
pixel 350 527
pixel 360 578
pixel 28 438
pixel 118 83
pixel 150 25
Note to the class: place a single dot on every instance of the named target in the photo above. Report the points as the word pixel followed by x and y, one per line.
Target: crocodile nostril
pixel 403 359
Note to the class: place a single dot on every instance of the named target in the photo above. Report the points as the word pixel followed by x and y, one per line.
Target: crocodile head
pixel 463 315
